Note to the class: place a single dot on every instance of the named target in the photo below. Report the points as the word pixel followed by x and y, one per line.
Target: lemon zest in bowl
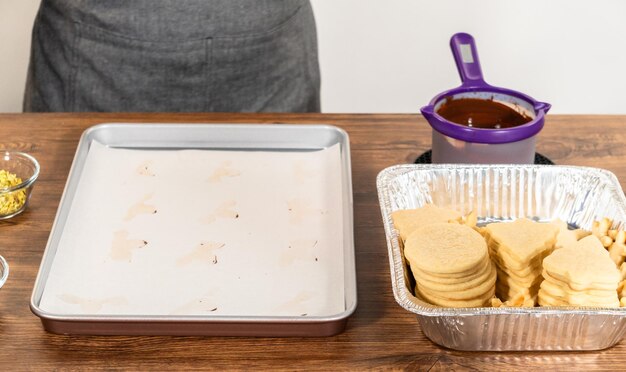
pixel 10 202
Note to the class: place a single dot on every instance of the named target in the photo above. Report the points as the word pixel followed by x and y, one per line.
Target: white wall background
pixel 393 55
pixel 16 22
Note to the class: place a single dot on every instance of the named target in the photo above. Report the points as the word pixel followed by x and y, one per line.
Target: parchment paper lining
pixel 197 232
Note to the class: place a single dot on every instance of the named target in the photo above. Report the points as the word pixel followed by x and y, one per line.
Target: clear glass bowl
pixel 14 199
pixel 4 271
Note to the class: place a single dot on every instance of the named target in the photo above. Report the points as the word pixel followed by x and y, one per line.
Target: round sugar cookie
pixel 440 284
pixel 481 301
pixel 482 270
pixel 460 276
pixel 445 248
pixel 462 294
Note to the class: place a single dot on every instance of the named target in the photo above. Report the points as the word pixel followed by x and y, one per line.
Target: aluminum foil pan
pixel 578 195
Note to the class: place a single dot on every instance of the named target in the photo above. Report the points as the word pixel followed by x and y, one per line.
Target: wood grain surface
pixel 380 335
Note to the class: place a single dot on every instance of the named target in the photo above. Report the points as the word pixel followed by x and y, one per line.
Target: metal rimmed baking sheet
pixel 202 229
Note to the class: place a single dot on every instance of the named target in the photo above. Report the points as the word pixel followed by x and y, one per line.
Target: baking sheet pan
pixel 202 229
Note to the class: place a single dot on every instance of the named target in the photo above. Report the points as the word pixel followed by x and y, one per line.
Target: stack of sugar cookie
pixel 451 265
pixel 408 220
pixel 518 249
pixel 580 274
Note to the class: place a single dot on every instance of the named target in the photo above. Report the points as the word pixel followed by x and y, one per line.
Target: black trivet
pixel 426 158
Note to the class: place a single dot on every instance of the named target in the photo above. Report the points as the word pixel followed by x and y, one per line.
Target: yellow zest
pixel 10 202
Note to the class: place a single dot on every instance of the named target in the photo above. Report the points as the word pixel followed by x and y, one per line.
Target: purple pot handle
pixel 466 58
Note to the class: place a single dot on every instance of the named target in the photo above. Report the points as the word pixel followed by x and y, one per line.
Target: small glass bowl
pixel 4 271
pixel 14 199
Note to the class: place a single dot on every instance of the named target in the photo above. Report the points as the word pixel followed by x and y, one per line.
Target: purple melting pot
pixel 458 143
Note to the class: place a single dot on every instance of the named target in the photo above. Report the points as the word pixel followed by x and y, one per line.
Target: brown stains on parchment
pixel 225 210
pixel 203 252
pixel 301 209
pixel 145 169
pixel 92 305
pixel 299 249
pixel 140 208
pixel 122 248
pixel 223 171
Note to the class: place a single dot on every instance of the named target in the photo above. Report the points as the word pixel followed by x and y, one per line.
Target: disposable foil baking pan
pixel 577 195
pixel 95 279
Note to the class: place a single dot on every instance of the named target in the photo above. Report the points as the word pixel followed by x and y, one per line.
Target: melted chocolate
pixel 481 113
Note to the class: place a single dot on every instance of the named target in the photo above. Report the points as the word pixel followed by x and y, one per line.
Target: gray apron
pixel 174 55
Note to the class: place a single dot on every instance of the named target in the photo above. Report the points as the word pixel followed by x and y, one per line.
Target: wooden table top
pixel 379 335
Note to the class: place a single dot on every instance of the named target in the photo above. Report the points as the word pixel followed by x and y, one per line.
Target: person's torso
pixel 172 20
